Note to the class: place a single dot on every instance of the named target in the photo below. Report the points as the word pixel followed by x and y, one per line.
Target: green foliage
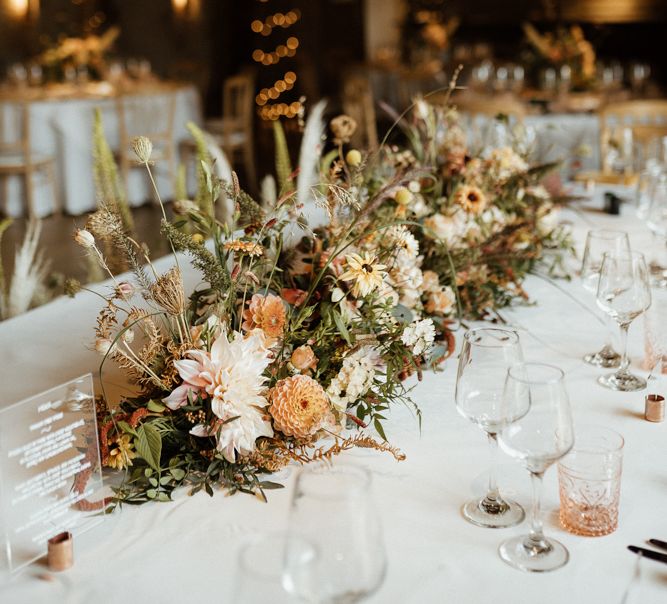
pixel 204 198
pixel 215 273
pixel 107 183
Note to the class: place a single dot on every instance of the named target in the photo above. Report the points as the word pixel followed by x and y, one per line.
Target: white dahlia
pixel 232 377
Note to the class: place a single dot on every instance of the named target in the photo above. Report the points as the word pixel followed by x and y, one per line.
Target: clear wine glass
pixel 656 220
pixel 486 355
pixel 332 508
pixel 268 564
pixel 538 430
pixel 624 293
pixel 598 243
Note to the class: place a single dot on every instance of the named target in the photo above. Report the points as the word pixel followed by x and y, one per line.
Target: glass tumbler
pixel 590 482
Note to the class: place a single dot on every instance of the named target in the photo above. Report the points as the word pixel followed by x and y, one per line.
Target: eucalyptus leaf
pixel 149 445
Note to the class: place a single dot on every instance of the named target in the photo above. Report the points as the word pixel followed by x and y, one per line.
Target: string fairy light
pixel 267 109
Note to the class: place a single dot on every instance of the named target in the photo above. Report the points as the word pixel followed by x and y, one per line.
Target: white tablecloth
pixel 64 129
pixel 185 551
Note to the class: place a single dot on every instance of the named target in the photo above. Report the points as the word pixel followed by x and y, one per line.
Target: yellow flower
pixel 121 452
pixel 471 199
pixel 365 272
pixel 245 247
pixel 299 406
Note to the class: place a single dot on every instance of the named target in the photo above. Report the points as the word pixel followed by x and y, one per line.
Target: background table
pixel 64 128
pixel 186 550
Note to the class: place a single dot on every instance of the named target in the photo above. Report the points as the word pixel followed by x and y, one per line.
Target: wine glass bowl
pixel 624 293
pixel 486 355
pixel 538 431
pixel 598 243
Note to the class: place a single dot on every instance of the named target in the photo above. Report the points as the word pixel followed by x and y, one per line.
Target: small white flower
pixel 143 148
pixel 419 336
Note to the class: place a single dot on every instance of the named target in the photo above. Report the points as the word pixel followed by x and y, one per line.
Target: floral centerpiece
pixel 297 335
pixel 482 219
pixel 89 53
pixel 564 46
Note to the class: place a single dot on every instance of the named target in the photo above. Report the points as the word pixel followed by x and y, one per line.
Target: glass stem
pixel 536 543
pixel 624 347
pixel 493 502
pixel 493 484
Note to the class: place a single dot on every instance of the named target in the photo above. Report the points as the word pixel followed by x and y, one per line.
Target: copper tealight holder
pixel 61 552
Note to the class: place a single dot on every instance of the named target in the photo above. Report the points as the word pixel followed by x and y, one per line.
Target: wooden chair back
pixel 150 115
pixel 238 103
pixel 15 130
pixel 646 120
pixel 359 105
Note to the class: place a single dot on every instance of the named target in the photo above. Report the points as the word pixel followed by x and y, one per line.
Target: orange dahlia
pixel 299 406
pixel 266 313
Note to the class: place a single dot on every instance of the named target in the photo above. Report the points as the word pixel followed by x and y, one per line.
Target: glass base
pixel 625 382
pixel 534 557
pixel 607 358
pixel 499 513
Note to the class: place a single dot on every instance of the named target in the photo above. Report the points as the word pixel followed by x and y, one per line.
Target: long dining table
pixel 186 550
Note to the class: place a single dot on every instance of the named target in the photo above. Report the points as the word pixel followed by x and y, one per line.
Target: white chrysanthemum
pixel 232 377
pixel 400 239
pixel 419 336
pixel 354 378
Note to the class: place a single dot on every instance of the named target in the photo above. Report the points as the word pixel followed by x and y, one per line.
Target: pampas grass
pixel 27 280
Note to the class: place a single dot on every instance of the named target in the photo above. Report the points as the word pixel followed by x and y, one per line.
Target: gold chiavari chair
pixel 642 123
pixel 359 105
pixel 234 131
pixel 150 115
pixel 17 158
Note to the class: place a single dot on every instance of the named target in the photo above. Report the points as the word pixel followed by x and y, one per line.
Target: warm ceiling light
pixel 179 5
pixel 18 8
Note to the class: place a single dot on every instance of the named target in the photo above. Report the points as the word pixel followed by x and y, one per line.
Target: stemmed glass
pixel 332 508
pixel 267 564
pixel 598 243
pixel 486 355
pixel 538 430
pixel 624 293
pixel 656 219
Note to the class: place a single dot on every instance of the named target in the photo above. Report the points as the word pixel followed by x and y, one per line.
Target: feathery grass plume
pixel 30 271
pixel 268 192
pixel 204 197
pixel 214 272
pixel 107 184
pixel 309 154
pixel 107 225
pixel 4 225
pixel 283 163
